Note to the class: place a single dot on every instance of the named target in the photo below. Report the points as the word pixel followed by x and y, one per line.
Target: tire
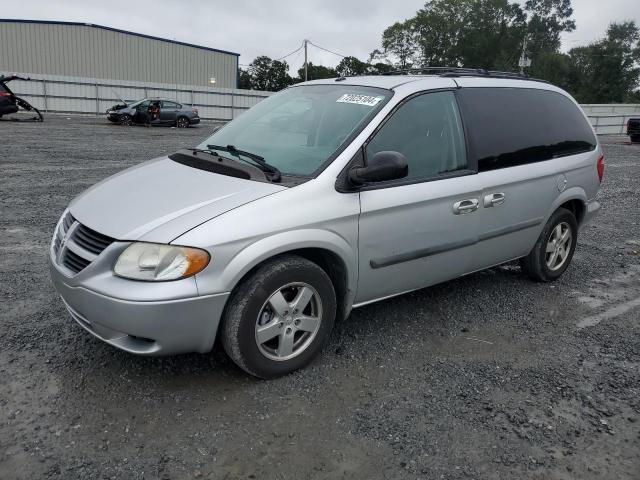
pixel 546 266
pixel 126 120
pixel 182 122
pixel 250 313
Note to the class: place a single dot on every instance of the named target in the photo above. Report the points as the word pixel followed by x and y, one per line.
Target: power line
pixel 327 50
pixel 277 59
pixel 289 54
pixel 297 50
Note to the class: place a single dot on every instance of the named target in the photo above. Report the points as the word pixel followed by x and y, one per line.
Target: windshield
pixel 299 129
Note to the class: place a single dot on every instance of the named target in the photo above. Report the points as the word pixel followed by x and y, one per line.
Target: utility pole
pixel 306 69
pixel 524 61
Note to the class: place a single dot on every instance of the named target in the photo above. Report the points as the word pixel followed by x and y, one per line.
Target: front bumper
pixel 150 327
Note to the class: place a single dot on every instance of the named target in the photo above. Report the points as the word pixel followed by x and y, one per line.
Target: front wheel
pixel 279 318
pixel 552 253
pixel 126 120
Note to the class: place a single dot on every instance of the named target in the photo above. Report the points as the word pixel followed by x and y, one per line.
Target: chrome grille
pixel 61 232
pixel 75 245
pixel 91 240
pixel 74 262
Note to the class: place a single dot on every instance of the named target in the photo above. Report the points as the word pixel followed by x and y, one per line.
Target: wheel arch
pixel 326 249
pixel 573 199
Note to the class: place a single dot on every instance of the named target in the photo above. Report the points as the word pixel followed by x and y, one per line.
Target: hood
pixel 160 200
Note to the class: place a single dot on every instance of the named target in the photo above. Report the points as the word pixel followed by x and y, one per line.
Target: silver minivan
pixel 324 197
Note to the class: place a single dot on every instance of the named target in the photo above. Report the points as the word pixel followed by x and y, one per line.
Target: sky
pixel 276 28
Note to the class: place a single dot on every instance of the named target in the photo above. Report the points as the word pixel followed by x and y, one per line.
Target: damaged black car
pixel 153 111
pixel 10 103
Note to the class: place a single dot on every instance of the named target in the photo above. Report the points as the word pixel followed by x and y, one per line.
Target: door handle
pixel 466 206
pixel 494 200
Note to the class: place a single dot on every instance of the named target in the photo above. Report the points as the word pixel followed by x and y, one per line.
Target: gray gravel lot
pixel 485 377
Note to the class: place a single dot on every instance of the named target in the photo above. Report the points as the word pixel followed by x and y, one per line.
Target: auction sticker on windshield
pixel 368 100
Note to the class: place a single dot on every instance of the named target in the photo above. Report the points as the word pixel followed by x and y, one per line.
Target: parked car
pixel 633 129
pixel 170 113
pixel 325 197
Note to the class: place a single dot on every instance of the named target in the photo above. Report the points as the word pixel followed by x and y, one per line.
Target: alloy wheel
pixel 288 321
pixel 558 246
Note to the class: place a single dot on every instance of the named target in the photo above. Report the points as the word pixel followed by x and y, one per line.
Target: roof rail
pixel 441 70
pixel 461 72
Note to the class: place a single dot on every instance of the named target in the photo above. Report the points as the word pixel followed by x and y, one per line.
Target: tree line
pixel 490 34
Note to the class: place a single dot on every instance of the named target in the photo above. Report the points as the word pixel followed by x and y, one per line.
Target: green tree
pixel 379 63
pixel 380 68
pixel 607 71
pixel 316 72
pixel 555 67
pixel 244 79
pixel 476 33
pixel 267 74
pixel 350 66
pixel 472 33
pixel 547 19
pixel 399 41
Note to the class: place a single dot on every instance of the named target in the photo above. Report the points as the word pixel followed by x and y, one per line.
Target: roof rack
pixel 461 72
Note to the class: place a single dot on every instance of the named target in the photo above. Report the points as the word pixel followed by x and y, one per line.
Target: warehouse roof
pixel 54 22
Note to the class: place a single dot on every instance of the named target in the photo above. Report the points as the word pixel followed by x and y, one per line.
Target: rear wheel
pixel 126 120
pixel 279 318
pixel 552 253
pixel 182 122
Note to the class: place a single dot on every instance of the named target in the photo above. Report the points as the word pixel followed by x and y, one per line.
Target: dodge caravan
pixel 325 197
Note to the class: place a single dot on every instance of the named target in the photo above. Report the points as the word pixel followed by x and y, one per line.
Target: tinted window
pixel 428 132
pixel 170 105
pixel 515 126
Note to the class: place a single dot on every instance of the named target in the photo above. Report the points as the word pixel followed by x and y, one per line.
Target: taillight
pixel 5 94
pixel 195 110
pixel 600 167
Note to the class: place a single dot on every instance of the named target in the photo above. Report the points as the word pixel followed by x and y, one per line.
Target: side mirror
pixel 382 167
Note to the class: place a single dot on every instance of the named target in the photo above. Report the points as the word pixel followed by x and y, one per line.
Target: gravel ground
pixel 490 376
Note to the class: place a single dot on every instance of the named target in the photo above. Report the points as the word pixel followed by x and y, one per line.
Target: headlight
pixel 155 262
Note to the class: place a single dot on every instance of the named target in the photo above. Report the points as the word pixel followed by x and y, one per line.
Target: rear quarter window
pixel 508 127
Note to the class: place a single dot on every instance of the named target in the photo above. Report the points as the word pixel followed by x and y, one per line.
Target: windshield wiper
pixel 262 164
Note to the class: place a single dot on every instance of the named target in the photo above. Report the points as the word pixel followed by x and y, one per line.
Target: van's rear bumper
pixel 145 328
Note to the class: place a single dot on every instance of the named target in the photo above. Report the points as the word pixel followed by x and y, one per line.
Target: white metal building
pixel 93 51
